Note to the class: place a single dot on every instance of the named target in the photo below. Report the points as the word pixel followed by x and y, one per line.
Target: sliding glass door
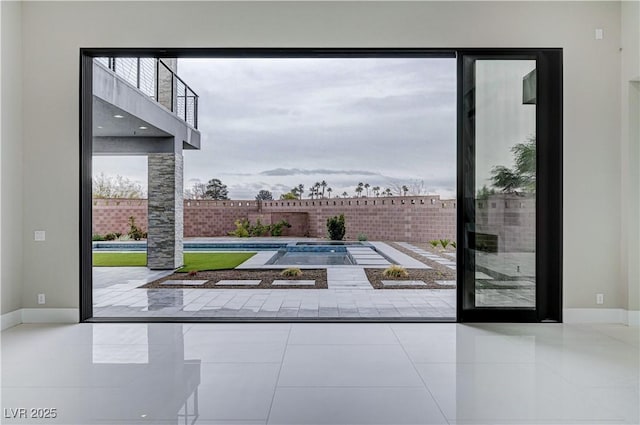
pixel 509 226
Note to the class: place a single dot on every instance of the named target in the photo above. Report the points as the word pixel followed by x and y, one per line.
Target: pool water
pixel 300 255
pixel 191 246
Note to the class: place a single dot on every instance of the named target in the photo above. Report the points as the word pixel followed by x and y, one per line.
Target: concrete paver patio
pixel 350 295
pixel 117 292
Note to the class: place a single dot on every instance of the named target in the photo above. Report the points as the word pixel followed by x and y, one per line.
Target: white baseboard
pixel 595 315
pixel 50 315
pixel 633 318
pixel 11 319
pixel 40 315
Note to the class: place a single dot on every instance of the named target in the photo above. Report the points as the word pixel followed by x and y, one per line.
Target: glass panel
pixel 504 238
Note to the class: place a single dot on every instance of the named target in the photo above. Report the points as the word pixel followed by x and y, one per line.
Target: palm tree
pixel 323 184
pixel 387 192
pixel 359 189
pixel 506 179
pixel 376 190
pixel 300 190
pixel 405 189
pixel 329 190
pixel 523 175
pixel 367 186
pixel 345 194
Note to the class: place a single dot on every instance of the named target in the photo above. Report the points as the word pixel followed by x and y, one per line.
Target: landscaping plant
pixel 362 237
pixel 258 229
pixel 395 271
pixel 336 227
pixel 445 243
pixel 434 243
pixel 134 231
pixel 291 272
pixel 242 229
pixel 276 228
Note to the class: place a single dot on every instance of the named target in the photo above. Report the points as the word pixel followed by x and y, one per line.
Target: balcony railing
pixel 157 80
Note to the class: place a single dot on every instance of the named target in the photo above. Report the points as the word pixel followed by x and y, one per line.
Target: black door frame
pixel 549 281
pixel 548 187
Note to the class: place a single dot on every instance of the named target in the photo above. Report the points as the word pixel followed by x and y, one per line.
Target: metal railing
pixel 156 79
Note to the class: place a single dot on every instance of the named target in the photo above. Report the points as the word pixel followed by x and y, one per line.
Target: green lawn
pixel 197 261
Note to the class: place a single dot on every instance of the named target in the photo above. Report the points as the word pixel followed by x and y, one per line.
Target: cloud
pixel 275 123
pixel 319 172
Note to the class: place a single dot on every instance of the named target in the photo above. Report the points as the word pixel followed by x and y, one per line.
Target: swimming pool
pixel 192 246
pixel 288 253
pixel 302 255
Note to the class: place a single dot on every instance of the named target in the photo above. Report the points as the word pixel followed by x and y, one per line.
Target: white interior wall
pixel 630 146
pixel 11 160
pixel 54 31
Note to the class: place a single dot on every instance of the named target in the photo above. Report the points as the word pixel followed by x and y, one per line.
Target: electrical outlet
pixel 41 299
pixel 39 235
pixel 599 298
pixel 599 34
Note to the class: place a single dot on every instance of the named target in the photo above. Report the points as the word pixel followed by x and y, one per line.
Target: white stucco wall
pixel 630 150
pixel 54 31
pixel 11 161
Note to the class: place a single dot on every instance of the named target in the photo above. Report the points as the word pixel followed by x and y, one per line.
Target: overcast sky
pixel 275 123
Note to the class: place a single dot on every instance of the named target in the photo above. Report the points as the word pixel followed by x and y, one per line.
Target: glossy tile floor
pixel 322 373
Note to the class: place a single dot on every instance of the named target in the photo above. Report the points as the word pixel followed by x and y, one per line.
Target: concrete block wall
pixel 415 219
pixel 112 215
pixel 411 219
pixel 215 218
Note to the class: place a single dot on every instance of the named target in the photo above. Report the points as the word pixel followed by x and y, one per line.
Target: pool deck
pixel 364 256
pixel 117 291
pixel 349 296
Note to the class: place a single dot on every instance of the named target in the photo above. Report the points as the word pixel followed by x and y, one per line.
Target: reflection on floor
pixel 320 373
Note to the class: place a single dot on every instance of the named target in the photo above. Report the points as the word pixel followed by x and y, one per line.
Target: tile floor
pixel 322 373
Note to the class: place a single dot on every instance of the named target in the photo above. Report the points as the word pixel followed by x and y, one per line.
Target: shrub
pixel 454 244
pixel 134 231
pixel 445 243
pixel 362 237
pixel 117 234
pixel 97 238
pixel 258 229
pixel 395 271
pixel 434 243
pixel 276 228
pixel 242 229
pixel 336 227
pixel 110 237
pixel 291 272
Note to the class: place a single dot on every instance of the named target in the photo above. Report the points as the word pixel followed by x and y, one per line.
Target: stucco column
pixel 165 211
